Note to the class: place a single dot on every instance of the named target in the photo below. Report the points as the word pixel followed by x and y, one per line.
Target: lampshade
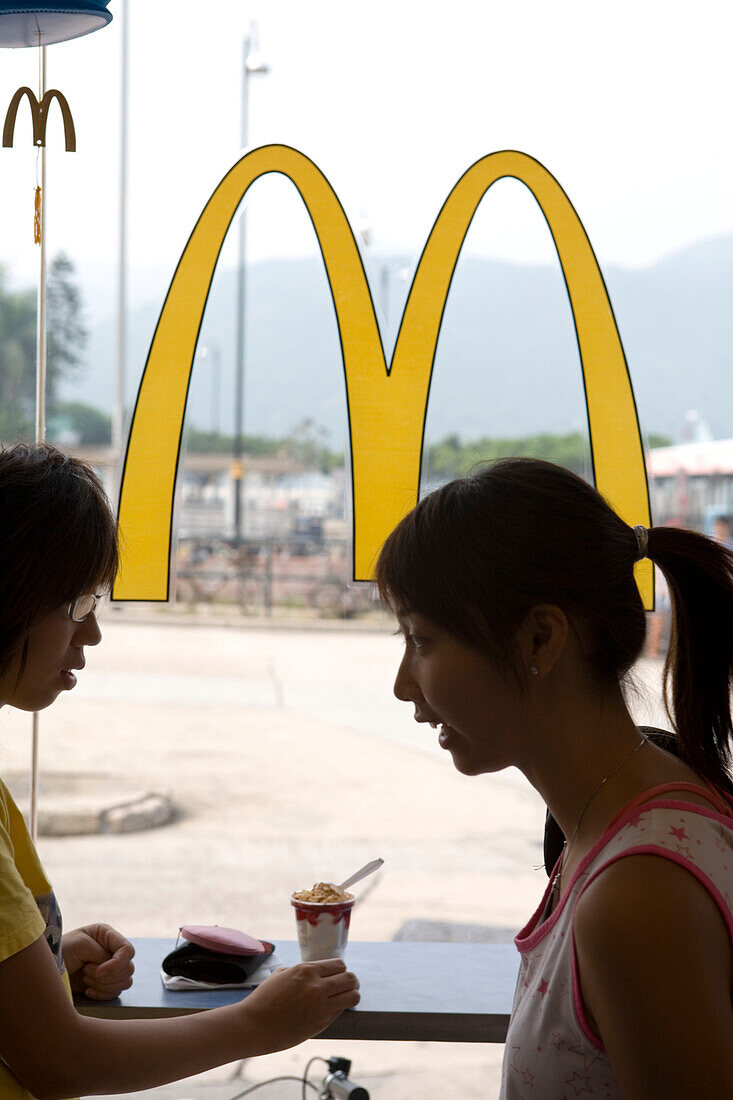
pixel 32 23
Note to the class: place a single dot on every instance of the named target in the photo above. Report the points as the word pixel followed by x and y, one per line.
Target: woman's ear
pixel 543 638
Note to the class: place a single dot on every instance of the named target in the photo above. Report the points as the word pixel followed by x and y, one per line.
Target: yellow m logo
pixel 39 113
pixel 386 405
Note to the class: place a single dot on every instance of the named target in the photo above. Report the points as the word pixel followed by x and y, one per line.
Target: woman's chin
pixel 467 763
pixel 466 767
pixel 36 703
pixel 465 753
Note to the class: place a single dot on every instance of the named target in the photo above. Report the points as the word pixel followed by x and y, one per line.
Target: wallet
pixel 217 956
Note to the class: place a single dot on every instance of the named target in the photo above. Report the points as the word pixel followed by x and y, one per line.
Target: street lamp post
pixel 252 63
pixel 211 353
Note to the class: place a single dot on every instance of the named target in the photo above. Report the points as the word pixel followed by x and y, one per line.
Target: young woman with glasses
pixel 58 554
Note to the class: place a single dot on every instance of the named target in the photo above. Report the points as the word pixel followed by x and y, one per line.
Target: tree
pixel 451 458
pixel 80 423
pixel 66 339
pixel 306 447
pixel 66 333
pixel 17 359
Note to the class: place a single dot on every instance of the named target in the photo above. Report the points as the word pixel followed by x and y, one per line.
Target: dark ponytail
pixel 698 671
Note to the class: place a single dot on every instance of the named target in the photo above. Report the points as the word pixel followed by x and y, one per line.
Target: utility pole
pixel 252 63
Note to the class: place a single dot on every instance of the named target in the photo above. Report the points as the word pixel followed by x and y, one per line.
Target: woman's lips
pixel 446 733
pixel 445 736
pixel 68 678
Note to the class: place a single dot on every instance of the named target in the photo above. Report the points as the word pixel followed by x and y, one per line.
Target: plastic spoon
pixel 362 873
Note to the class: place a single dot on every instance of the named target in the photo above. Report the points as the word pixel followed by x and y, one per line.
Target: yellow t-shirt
pixel 28 907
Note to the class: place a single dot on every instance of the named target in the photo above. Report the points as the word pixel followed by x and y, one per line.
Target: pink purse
pixel 226 940
pixel 215 955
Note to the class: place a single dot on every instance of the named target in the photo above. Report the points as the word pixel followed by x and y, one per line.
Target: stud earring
pixel 533 670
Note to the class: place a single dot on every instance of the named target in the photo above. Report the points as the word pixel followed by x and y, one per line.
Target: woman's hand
pixel 297 1003
pixel 55 1051
pixel 98 960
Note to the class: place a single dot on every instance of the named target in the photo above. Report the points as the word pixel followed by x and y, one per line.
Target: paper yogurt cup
pixel 323 927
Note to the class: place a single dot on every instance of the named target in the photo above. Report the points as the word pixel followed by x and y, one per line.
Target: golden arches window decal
pixel 387 405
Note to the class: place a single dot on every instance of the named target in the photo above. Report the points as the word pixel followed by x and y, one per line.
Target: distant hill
pixel 507 361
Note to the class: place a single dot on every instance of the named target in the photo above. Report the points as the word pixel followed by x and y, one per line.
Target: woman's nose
pixel 88 632
pixel 404 686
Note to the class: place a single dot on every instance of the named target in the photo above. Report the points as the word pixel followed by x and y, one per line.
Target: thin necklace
pixel 568 843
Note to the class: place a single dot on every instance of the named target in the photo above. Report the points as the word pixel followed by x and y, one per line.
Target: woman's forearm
pixel 56 1052
pixel 108 1056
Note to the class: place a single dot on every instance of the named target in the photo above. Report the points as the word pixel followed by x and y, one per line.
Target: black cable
pixel 271 1081
pixel 315 1058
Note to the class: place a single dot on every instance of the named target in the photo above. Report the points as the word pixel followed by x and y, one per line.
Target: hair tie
pixel 642 542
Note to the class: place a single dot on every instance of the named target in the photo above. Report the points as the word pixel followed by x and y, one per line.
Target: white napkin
pixel 266 967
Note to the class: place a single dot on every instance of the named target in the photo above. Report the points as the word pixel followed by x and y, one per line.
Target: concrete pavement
pixel 288 760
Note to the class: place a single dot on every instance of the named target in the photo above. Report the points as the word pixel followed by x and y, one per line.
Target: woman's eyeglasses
pixel 83 606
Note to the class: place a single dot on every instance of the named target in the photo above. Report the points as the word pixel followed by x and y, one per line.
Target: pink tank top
pixel 551 1049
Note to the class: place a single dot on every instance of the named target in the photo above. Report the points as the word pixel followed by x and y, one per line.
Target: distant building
pixel 280 501
pixel 691 484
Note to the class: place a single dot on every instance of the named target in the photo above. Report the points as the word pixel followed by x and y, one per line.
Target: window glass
pixel 242 741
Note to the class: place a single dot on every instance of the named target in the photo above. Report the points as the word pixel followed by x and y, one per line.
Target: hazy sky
pixel 628 104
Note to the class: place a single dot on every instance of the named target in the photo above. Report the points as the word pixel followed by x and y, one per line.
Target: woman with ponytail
pixel 515 591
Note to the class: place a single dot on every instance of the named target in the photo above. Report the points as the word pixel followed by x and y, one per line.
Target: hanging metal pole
pixel 41 323
pixel 118 420
pixel 40 400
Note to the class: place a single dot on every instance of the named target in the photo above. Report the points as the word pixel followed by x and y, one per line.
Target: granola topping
pixel 323 893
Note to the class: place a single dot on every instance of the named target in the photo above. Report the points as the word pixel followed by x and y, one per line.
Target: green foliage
pixel 66 338
pixel 83 423
pixel 17 361
pixel 449 458
pixel 215 443
pixel 452 458
pixel 331 460
pixel 66 334
pixel 306 447
pixel 303 447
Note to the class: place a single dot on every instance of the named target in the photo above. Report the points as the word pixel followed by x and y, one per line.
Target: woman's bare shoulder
pixel 647 891
pixel 655 969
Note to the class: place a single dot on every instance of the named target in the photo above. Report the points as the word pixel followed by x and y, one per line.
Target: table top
pixel 430 992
